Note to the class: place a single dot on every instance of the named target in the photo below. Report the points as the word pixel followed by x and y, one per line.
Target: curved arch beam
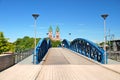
pixel 89 49
pixel 41 49
pixel 66 43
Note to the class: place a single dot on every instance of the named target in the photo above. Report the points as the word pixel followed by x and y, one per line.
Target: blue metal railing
pixel 86 48
pixel 66 43
pixel 41 49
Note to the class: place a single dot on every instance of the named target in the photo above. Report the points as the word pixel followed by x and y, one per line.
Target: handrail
pixel 41 49
pixel 89 49
pixel 65 43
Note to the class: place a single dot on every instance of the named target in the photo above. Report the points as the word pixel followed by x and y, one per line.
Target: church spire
pixel 50 29
pixel 50 32
pixel 57 33
pixel 57 29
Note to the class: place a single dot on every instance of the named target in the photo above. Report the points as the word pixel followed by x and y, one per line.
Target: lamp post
pixel 104 16
pixel 35 16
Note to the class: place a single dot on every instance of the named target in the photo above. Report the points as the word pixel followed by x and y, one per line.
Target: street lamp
pixel 35 16
pixel 104 16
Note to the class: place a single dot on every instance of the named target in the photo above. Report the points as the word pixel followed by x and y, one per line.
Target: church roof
pixel 50 29
pixel 57 29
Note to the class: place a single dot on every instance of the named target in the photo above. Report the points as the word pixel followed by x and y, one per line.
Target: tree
pixel 55 43
pixel 20 45
pixel 25 43
pixel 4 44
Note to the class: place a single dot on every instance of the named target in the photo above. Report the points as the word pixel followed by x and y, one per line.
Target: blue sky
pixel 79 17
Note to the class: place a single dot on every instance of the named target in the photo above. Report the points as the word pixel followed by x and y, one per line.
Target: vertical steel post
pixel 34 55
pixel 104 16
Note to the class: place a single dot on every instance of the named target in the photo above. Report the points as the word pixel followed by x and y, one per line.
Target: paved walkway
pixel 74 67
pixel 62 56
pixel 24 70
pixel 76 72
pixel 61 64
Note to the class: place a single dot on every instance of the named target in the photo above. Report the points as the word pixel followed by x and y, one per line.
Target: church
pixel 55 37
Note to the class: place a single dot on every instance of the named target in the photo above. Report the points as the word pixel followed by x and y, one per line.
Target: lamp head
pixel 104 16
pixel 35 16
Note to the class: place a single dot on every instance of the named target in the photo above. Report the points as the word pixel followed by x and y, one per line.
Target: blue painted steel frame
pixel 86 48
pixel 41 49
pixel 66 43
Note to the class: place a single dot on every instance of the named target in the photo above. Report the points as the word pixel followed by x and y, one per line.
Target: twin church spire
pixel 55 37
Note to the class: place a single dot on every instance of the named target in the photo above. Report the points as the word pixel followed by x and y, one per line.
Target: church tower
pixel 57 36
pixel 50 34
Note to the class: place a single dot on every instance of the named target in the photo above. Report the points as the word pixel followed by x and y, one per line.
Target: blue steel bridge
pixel 79 45
pixel 80 59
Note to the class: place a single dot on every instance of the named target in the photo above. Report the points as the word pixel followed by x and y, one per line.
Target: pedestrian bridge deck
pixel 61 64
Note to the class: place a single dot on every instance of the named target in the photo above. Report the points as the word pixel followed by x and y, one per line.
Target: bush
pixel 55 43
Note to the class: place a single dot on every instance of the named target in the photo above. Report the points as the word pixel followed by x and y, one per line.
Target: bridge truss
pixel 86 48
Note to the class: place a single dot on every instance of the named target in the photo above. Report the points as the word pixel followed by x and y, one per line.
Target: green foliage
pixel 11 47
pixel 21 44
pixel 1 35
pixel 55 43
pixel 107 43
pixel 101 44
pixel 26 43
pixel 4 44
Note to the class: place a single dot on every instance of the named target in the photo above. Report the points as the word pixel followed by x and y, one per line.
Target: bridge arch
pixel 41 49
pixel 88 48
pixel 49 43
pixel 66 43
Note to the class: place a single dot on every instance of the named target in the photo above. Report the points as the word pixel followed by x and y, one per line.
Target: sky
pixel 81 18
